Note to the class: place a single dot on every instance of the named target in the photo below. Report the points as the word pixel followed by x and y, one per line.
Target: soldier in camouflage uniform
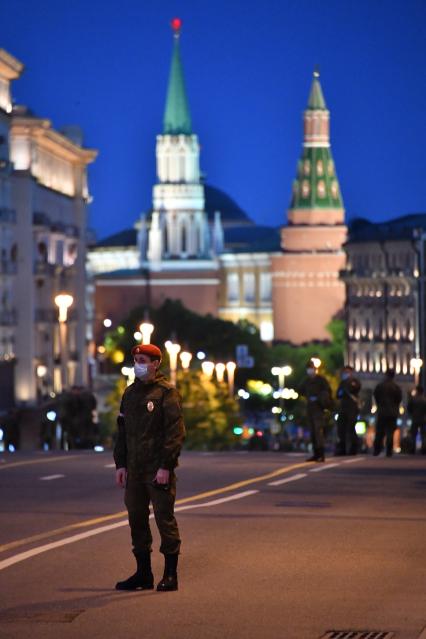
pixel 317 392
pixel 150 437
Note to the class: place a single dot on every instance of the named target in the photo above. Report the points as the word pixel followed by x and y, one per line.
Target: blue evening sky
pixel 248 64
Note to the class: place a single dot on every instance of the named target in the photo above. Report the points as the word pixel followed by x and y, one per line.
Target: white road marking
pixel 49 477
pixel 326 467
pixel 215 502
pixel 109 466
pixel 97 531
pixel 353 461
pixel 288 479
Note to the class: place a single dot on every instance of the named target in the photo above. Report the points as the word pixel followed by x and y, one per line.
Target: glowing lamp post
pixel 416 364
pixel 282 372
pixel 316 362
pixel 63 301
pixel 230 369
pixel 146 329
pixel 173 351
pixel 220 371
pixel 208 369
pixel 185 359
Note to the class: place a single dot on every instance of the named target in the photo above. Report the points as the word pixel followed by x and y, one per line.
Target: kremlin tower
pixel 179 225
pixel 307 292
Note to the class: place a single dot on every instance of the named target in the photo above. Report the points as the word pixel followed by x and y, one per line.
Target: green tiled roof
pixel 316 184
pixel 316 97
pixel 177 118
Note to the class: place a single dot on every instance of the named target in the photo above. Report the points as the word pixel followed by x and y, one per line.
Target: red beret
pixel 147 349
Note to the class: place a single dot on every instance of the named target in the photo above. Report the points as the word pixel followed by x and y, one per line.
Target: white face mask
pixel 345 376
pixel 141 370
pixel 310 372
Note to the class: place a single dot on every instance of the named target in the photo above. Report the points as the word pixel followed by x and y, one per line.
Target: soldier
pixel 348 396
pixel 388 397
pixel 317 391
pixel 416 407
pixel 150 437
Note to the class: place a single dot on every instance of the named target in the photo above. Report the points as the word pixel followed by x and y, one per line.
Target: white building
pixel 43 201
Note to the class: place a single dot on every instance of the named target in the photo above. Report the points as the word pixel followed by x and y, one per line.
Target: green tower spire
pixel 316 98
pixel 316 185
pixel 177 119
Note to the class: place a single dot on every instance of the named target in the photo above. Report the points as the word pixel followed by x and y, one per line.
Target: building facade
pixel 384 299
pixel 43 244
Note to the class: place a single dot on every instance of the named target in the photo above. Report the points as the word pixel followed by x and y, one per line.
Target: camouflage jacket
pixel 151 428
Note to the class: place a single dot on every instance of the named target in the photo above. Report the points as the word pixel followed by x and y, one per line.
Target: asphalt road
pixel 273 548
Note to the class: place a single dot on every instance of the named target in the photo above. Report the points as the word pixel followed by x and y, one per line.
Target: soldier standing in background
pixel 388 396
pixel 348 396
pixel 317 392
pixel 150 437
pixel 416 407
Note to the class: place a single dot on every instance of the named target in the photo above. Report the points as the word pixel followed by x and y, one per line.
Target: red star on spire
pixel 176 24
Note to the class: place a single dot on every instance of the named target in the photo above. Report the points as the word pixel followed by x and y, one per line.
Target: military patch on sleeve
pixel 150 406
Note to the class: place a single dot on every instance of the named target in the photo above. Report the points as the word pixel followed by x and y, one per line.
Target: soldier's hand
pixel 121 477
pixel 162 476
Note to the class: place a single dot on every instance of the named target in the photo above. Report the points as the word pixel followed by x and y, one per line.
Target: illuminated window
pixel 320 167
pixel 232 286
pixel 265 287
pixel 306 167
pixel 321 189
pixel 249 287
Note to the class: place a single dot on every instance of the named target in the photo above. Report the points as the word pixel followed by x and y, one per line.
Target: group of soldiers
pixel 388 398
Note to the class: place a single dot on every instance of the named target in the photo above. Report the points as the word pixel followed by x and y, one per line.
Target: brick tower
pixel 307 292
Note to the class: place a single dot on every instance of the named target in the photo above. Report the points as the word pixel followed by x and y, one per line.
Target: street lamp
pixel 316 362
pixel 185 359
pixel 173 350
pixel 416 363
pixel 208 369
pixel 220 371
pixel 282 372
pixel 63 301
pixel 146 329
pixel 230 369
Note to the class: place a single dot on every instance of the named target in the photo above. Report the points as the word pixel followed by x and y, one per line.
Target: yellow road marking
pixel 44 460
pixel 123 513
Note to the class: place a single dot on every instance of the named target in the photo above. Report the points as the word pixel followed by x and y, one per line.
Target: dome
pixel 231 213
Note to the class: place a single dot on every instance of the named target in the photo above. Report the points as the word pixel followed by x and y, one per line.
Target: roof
pixel 217 200
pixel 177 118
pixel 400 228
pixel 128 237
pixel 252 239
pixel 316 184
pixel 316 98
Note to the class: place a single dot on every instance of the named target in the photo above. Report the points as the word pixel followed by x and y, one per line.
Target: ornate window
pixel 321 189
pixel 306 167
pixel 320 167
pixel 334 189
pixel 305 188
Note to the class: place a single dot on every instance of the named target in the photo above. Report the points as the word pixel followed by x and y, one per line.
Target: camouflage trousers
pixel 140 493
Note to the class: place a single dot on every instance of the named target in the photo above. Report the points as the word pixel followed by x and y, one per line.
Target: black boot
pixel 169 580
pixel 143 578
